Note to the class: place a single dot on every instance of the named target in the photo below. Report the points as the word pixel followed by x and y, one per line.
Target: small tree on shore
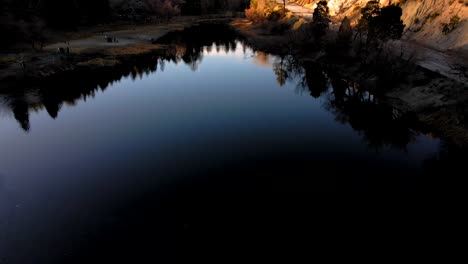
pixel 381 24
pixel 321 18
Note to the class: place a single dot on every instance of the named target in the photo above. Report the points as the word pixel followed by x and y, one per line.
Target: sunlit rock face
pixel 424 19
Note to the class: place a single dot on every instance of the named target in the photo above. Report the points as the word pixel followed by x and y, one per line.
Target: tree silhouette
pixel 371 10
pixel 345 32
pixel 315 80
pixel 388 25
pixel 381 24
pixel 321 18
pixel 280 72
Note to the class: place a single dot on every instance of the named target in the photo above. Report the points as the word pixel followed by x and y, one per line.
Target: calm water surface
pixel 96 172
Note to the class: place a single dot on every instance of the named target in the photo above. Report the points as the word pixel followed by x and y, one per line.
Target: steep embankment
pixel 424 20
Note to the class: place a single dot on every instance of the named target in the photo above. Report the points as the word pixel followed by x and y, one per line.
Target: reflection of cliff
pixel 187 46
pixel 378 124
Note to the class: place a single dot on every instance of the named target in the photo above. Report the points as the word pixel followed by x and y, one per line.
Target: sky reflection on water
pixel 201 121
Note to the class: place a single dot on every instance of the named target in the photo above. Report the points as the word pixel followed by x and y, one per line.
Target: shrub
pixel 434 15
pixel 451 26
pixel 260 10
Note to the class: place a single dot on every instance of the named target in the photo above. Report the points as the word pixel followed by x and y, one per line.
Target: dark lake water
pixel 127 168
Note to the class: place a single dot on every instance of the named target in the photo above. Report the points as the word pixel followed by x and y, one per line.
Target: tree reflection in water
pixel 187 47
pixel 379 125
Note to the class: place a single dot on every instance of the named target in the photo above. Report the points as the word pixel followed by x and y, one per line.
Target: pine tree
pixel 381 24
pixel 389 24
pixel 345 32
pixel 321 18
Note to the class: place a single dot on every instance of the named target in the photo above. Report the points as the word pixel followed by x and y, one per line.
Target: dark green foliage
pixel 321 18
pixel 315 80
pixel 381 24
pixel 371 10
pixel 449 27
pixel 345 32
pixel 388 25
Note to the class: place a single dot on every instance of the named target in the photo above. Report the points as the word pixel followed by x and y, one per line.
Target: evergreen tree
pixel 381 24
pixel 321 18
pixel 345 32
pixel 389 24
pixel 370 11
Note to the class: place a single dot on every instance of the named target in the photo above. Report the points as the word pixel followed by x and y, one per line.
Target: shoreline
pixel 440 103
pixel 92 53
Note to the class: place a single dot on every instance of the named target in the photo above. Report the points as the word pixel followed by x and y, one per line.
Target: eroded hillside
pixel 440 24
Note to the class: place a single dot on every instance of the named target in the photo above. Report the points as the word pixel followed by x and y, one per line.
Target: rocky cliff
pixel 439 24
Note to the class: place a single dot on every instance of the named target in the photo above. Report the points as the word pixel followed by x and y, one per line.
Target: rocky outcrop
pixel 439 24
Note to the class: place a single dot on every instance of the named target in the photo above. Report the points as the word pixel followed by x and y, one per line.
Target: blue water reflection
pixel 226 121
